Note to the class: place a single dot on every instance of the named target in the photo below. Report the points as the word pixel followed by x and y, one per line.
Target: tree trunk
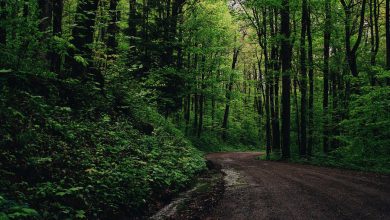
pixel 201 98
pixel 55 58
pixel 274 101
pixel 334 117
pixel 144 34
pixel 268 87
pixel 201 113
pixel 3 17
pixel 286 52
pixel 45 19
pixel 213 104
pixel 388 37
pixel 195 101
pixel 45 14
pixel 297 121
pixel 325 102
pixel 228 95
pixel 376 31
pixel 227 108
pixel 187 113
pixel 349 49
pixel 310 139
pixel 112 28
pixel 302 145
pixel 267 115
pixel 132 30
pixel 82 38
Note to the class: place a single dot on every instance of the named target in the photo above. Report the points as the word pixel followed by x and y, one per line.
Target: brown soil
pixel 276 190
pixel 198 201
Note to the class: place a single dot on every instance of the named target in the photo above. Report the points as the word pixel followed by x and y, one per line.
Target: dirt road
pixel 276 190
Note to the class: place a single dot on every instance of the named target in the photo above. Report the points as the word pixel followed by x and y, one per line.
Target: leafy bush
pixel 366 131
pixel 81 155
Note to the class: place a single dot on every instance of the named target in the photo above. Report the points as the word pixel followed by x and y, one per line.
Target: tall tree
pixel 325 102
pixel 387 34
pixel 195 100
pixel 310 139
pixel 236 52
pixel 268 85
pixel 286 53
pixel 303 130
pixel 202 96
pixel 274 99
pixel 267 114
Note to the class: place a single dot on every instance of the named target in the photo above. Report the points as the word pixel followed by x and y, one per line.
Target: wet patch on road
pixel 233 178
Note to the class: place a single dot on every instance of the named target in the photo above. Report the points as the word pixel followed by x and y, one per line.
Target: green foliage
pixel 97 158
pixel 11 210
pixel 366 132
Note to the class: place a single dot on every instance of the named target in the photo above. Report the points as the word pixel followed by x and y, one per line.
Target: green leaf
pixel 80 214
pixel 81 60
pixel 5 70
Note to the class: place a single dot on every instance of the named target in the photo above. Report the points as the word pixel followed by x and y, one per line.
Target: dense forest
pixel 107 106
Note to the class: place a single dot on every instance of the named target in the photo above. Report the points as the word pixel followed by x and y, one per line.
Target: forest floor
pixel 257 189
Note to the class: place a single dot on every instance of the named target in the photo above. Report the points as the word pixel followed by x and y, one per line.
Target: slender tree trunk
pixel 201 98
pixel 26 9
pixel 196 110
pixel 201 113
pixel 187 113
pixel 45 20
pixel 297 118
pixel 388 37
pixel 3 17
pixel 325 102
pixel 276 80
pixel 213 104
pixel 267 115
pixel 331 125
pixel 144 33
pixel 196 97
pixel 228 95
pixel 261 97
pixel 374 35
pixel 286 52
pixel 45 14
pixel 179 60
pixel 227 108
pixel 310 139
pixel 112 28
pixel 132 30
pixel 274 101
pixel 166 56
pixel 268 87
pixel 374 30
pixel 302 145
pixel 55 57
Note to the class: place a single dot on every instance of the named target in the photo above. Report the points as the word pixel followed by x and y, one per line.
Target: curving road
pixel 276 190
